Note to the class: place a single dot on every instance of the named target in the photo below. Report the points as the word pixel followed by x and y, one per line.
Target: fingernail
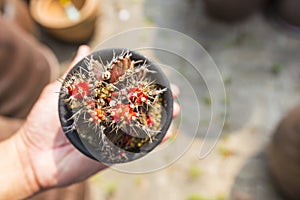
pixel 176 109
pixel 83 50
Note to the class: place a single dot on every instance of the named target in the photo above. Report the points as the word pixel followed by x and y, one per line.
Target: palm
pixel 54 160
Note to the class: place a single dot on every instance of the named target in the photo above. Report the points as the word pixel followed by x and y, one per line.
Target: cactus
pixel 116 103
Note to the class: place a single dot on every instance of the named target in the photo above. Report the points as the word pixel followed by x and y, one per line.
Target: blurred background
pixel 255 45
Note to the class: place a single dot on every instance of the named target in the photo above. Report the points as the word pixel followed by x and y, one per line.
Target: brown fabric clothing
pixel 25 68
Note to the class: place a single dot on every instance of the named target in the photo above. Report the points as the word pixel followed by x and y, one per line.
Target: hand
pixel 52 158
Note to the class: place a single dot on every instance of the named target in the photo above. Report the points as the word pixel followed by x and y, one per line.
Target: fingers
pixel 175 92
pixel 82 52
pixel 176 109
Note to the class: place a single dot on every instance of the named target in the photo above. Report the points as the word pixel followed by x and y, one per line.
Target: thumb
pixel 82 52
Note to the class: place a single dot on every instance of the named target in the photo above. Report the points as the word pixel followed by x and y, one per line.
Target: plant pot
pixel 17 12
pixel 284 156
pixel 232 10
pixel 53 17
pixel 288 10
pixel 118 111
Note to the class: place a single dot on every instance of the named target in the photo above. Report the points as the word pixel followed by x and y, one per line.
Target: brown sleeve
pixel 25 69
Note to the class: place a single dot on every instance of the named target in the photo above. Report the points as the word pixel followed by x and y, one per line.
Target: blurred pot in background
pixel 232 10
pixel 284 155
pixel 67 20
pixel 289 11
pixel 16 11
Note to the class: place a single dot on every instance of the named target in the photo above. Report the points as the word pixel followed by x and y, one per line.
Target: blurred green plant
pixel 276 68
pixel 138 180
pixel 173 135
pixel 148 21
pixel 96 179
pixel 242 38
pixel 110 190
pixel 206 100
pixel 197 197
pixel 225 151
pixel 194 172
pixel 225 135
pixel 143 37
pixel 201 197
pixel 227 80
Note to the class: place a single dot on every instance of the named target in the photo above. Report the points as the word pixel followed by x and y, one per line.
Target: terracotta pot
pixel 288 10
pixel 284 155
pixel 52 17
pixel 113 135
pixel 232 10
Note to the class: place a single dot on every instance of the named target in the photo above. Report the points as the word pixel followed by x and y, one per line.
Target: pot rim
pixel 73 135
pixel 88 10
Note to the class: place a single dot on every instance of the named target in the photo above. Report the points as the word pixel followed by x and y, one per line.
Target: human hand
pixel 53 160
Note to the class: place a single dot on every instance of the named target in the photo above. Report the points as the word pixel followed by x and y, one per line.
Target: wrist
pixel 19 177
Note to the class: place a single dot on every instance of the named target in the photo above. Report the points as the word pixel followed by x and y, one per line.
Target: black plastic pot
pixel 107 144
pixel 232 10
pixel 284 155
